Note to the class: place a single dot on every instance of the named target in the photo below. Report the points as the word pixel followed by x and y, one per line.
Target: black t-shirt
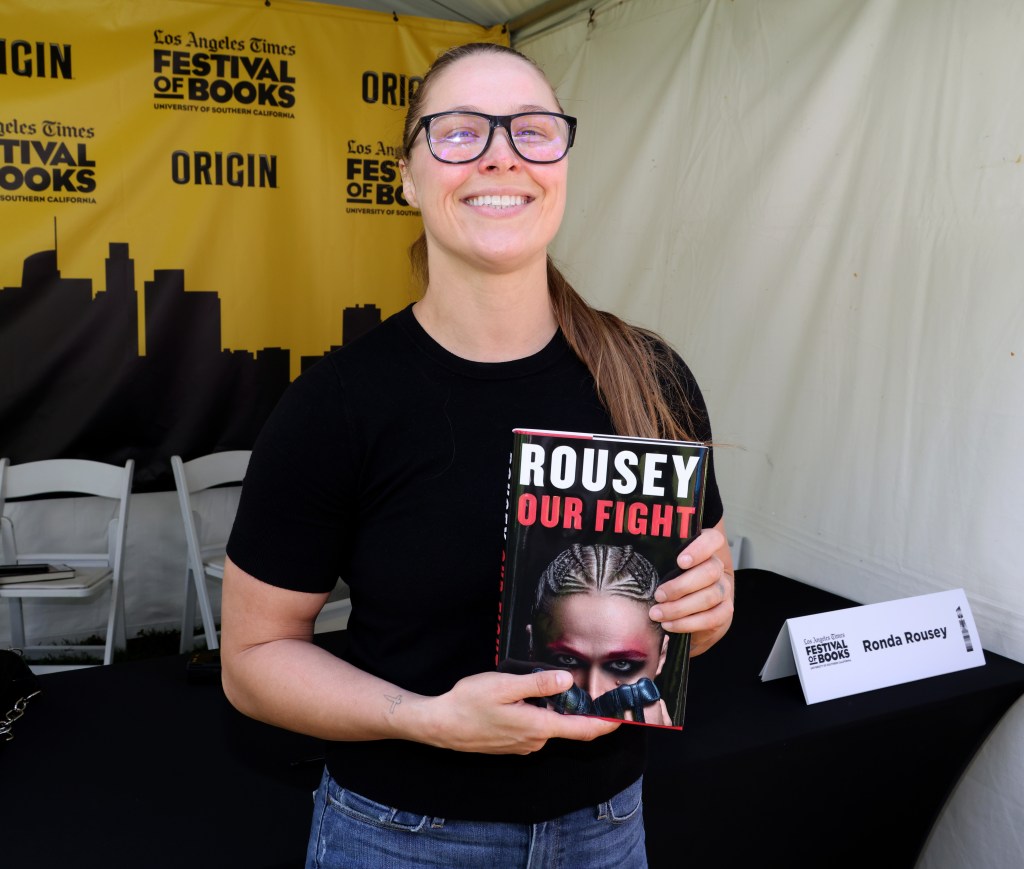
pixel 386 464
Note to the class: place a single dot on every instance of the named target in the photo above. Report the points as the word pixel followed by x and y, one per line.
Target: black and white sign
pixel 861 648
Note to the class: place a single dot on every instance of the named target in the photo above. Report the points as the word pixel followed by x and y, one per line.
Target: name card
pixel 876 645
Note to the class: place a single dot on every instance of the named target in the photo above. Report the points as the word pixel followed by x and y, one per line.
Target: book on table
pixel 35 572
pixel 594 525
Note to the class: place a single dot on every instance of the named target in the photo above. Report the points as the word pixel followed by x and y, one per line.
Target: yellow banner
pixel 226 167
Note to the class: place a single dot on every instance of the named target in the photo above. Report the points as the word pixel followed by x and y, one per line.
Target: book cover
pixel 19 573
pixel 594 524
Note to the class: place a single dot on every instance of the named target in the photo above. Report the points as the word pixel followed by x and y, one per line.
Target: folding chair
pixel 98 569
pixel 205 555
pixel 206 551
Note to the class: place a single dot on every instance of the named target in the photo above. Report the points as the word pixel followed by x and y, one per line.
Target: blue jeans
pixel 352 832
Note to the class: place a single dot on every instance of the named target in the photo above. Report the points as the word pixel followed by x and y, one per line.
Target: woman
pixel 591 617
pixel 386 464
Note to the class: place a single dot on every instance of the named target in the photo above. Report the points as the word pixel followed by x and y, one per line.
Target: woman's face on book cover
pixel 604 639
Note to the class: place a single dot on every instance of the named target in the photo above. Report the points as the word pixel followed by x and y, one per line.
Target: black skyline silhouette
pixel 73 385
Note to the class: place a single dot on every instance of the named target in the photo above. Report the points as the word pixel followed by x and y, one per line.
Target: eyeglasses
pixel 461 137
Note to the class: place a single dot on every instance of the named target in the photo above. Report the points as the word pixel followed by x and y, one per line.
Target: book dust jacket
pixel 594 525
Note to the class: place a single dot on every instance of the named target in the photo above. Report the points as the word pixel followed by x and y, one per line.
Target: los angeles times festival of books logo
pixel 826 651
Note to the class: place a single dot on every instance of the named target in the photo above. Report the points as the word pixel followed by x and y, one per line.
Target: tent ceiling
pixel 487 13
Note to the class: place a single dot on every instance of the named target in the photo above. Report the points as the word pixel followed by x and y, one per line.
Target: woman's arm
pixel 272 671
pixel 700 600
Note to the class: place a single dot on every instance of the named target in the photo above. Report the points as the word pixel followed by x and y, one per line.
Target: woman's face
pixel 461 224
pixel 605 639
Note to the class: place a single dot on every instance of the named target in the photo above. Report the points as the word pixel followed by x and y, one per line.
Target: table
pixel 132 765
pixel 760 778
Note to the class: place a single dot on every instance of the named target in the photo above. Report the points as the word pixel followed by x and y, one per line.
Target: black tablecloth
pixel 758 778
pixel 132 765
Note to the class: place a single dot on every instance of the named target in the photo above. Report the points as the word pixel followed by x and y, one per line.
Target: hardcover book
pixel 19 573
pixel 594 524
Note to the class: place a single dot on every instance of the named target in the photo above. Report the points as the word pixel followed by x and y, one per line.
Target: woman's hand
pixel 273 672
pixel 700 600
pixel 489 713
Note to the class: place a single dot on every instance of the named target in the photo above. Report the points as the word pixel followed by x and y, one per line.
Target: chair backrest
pixel 68 477
pixel 204 472
pixel 215 469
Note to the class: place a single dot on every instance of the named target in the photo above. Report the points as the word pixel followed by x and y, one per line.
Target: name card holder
pixel 862 648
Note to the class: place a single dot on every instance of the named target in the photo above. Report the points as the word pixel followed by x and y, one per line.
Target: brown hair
pixel 635 371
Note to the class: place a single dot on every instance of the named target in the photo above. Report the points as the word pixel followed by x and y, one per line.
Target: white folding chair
pixel 206 551
pixel 205 554
pixel 96 570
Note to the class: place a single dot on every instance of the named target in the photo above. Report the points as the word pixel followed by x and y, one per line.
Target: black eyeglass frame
pixel 493 121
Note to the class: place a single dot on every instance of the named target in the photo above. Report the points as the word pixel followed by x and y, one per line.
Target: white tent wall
pixel 821 203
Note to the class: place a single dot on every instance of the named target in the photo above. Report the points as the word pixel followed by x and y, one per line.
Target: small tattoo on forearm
pixel 395 700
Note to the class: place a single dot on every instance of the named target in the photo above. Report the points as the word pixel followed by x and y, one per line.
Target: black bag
pixel 18 685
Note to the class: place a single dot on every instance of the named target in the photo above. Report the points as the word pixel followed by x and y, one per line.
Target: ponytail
pixel 635 371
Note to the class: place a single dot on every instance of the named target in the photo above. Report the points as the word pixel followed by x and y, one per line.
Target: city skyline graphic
pixel 75 386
